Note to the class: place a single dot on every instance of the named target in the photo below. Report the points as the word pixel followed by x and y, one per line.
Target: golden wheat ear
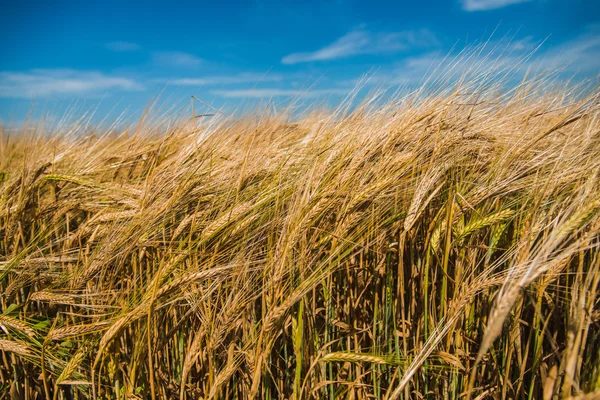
pixel 379 250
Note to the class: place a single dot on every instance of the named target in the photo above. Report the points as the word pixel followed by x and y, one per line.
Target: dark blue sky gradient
pixel 130 51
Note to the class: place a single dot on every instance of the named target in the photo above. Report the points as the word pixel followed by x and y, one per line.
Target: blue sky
pixel 113 56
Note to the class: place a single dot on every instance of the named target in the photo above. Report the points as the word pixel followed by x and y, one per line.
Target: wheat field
pixel 439 243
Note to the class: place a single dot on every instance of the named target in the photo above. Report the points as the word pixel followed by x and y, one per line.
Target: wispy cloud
pixel 224 79
pixel 266 93
pixel 446 67
pixel 44 82
pixel 364 42
pixel 578 55
pixel 481 5
pixel 122 47
pixel 176 59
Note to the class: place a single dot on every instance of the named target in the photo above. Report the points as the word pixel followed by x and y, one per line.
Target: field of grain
pixel 442 243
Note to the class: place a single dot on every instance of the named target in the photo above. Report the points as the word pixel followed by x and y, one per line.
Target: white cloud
pixel 262 93
pixel 365 42
pixel 481 5
pixel 579 55
pixel 224 79
pixel 122 47
pixel 176 59
pixel 44 82
pixel 409 71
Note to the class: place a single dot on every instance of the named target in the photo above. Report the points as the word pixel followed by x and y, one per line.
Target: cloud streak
pixel 267 93
pixel 578 57
pixel 224 79
pixel 44 82
pixel 176 59
pixel 364 42
pixel 482 5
